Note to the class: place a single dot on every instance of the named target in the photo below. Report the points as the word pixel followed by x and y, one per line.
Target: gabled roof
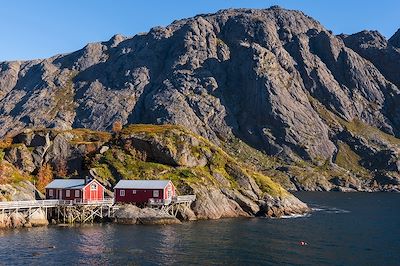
pixel 68 183
pixel 142 184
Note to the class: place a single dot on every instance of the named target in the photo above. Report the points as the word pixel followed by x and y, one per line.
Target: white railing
pixel 153 201
pixel 184 198
pixel 93 202
pixel 51 203
pixel 177 199
pixel 28 204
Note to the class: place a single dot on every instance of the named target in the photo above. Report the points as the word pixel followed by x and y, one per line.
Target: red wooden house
pixel 144 191
pixel 75 189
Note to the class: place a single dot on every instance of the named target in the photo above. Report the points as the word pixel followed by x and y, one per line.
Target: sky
pixel 42 28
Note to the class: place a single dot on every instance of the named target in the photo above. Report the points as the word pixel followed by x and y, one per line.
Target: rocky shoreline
pixel 17 220
pixel 132 215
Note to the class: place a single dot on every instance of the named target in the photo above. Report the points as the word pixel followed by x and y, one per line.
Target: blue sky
pixel 41 28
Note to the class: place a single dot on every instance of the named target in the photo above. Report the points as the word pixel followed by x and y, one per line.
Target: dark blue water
pixel 345 229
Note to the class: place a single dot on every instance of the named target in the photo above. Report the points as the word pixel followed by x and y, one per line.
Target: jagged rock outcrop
pixel 275 79
pixel 67 149
pixel 384 54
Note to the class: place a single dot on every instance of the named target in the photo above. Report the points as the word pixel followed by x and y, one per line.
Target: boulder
pixel 211 203
pixel 38 218
pixel 17 220
pixel 130 214
pixel 283 205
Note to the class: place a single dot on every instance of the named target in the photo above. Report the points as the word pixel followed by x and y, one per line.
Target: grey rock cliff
pixel 249 74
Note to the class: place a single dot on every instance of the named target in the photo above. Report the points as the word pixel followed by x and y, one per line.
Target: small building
pixel 75 189
pixel 144 191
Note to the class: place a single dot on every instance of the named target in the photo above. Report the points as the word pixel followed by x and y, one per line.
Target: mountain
pixel 273 87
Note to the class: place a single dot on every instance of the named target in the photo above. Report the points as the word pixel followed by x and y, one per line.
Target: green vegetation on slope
pixel 348 159
pixel 122 161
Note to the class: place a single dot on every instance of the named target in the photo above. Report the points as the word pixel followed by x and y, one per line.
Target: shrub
pixel 44 176
pixel 117 126
pixel 61 167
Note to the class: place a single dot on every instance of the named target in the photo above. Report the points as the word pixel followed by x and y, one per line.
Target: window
pixel 169 192
pixel 122 193
pixel 76 193
pixel 50 192
pixel 133 191
pixel 156 193
pixel 67 193
pixel 93 187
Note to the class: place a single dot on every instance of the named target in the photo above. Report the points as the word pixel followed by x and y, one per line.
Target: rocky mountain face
pixel 320 111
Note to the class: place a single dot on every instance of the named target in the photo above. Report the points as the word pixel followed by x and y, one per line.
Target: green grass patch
pixel 348 159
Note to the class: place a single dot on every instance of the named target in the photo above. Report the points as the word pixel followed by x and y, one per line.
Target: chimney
pixel 86 180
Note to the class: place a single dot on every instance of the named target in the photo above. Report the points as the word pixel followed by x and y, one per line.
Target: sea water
pixel 342 229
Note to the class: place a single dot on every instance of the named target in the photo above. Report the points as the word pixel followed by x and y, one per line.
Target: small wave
pixel 335 210
pixel 328 209
pixel 294 216
pixel 317 209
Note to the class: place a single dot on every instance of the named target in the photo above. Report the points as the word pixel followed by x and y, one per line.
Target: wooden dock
pixel 174 205
pixel 70 211
pixel 78 211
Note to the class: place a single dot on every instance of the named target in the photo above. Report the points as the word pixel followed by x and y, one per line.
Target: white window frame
pixel 77 194
pixel 134 192
pixel 67 193
pixel 51 193
pixel 93 186
pixel 122 193
pixel 156 193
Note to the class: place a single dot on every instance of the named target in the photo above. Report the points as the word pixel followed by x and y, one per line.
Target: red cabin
pixel 75 189
pixel 144 191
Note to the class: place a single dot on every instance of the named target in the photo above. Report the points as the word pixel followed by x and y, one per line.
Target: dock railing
pixel 26 204
pixel 184 198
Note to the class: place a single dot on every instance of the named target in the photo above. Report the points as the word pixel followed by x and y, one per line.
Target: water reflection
pixel 168 245
pixel 370 230
pixel 92 244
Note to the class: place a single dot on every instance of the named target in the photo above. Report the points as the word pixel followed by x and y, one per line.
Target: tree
pixel 44 176
pixel 117 126
pixel 61 167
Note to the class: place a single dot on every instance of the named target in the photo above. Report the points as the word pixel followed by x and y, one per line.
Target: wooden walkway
pixel 29 204
pixel 176 204
pixel 70 211
pixel 78 211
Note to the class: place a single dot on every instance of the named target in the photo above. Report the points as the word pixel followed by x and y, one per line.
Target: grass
pixel 64 97
pixel 121 164
pixel 88 136
pixel 148 128
pixel 356 126
pixel 9 174
pixel 6 142
pixel 220 42
pixel 348 159
pixel 267 185
pixel 370 133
